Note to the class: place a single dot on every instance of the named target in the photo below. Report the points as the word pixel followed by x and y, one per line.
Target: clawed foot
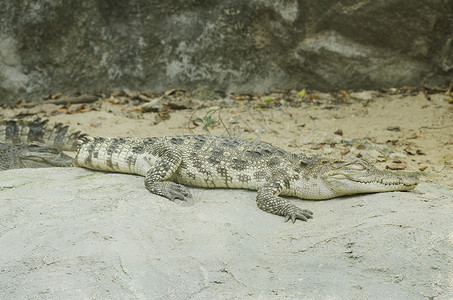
pixel 295 213
pixel 176 191
pixel 170 190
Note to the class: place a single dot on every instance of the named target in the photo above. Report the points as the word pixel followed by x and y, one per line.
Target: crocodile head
pixel 337 177
pixel 41 156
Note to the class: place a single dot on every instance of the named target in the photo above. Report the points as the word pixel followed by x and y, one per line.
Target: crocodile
pixel 170 163
pixel 33 155
pixel 35 144
pixel 24 131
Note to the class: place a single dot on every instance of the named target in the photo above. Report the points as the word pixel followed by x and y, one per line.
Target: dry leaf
pixel 62 110
pixel 144 98
pixel 409 150
pixel 190 125
pixel 138 108
pixel 55 96
pixel 173 91
pixel 393 128
pixel 396 166
pixel 420 152
pixel 237 111
pixel 339 132
pixel 344 93
pixel 317 147
pixel 113 100
pixel 361 147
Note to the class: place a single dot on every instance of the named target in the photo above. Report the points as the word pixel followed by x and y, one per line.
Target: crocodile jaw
pixel 328 178
pixel 379 181
pixel 37 155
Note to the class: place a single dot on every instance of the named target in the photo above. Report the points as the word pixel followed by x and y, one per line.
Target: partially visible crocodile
pixel 227 162
pixel 18 131
pixel 204 161
pixel 35 144
pixel 32 155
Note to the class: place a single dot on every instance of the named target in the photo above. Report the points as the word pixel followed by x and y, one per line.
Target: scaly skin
pixel 169 163
pixel 35 144
pixel 33 155
pixel 22 131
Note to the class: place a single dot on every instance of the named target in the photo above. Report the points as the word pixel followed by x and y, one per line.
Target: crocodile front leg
pixel 268 200
pixel 156 178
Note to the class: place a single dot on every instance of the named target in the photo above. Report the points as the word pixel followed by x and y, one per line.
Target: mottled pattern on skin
pixel 33 155
pixel 169 163
pixel 58 136
pixel 35 143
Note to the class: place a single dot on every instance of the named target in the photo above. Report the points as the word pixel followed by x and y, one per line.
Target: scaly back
pixel 17 131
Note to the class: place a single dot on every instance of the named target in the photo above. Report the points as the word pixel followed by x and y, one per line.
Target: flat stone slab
pixel 71 233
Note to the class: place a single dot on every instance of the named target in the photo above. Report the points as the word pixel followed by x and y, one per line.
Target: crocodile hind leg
pixel 268 200
pixel 157 178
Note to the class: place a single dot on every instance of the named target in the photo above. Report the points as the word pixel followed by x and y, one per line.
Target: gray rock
pixel 364 95
pixel 154 105
pixel 86 46
pixel 69 233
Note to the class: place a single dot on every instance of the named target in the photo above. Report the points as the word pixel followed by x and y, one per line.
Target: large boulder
pixel 49 46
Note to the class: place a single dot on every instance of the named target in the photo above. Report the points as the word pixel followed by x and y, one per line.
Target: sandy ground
pixel 73 233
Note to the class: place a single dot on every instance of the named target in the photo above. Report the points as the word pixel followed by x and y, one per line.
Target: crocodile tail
pixel 59 136
pixel 83 140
